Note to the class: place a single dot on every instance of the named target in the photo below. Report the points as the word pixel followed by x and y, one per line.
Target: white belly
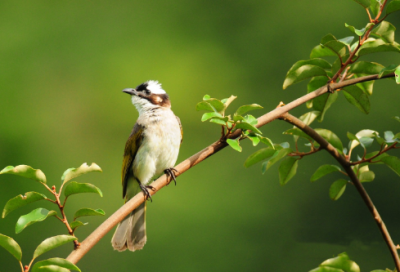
pixel 158 151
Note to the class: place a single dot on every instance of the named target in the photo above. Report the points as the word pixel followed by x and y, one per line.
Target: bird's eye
pixel 147 92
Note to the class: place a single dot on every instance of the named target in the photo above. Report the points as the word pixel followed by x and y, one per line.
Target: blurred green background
pixel 63 66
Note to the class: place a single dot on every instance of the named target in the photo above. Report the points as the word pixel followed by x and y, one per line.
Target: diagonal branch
pixel 162 181
pixel 360 188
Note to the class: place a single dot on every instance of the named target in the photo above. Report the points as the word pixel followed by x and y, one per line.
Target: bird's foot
pixel 171 172
pixel 146 192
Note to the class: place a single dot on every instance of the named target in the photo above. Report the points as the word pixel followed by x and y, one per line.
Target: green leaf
pixel 388 70
pixel 251 119
pixel 52 268
pixel 203 105
pixel 362 134
pixel 323 102
pixel 337 47
pixel 297 132
pixel 389 137
pixel 393 6
pixel 347 40
pixel 309 117
pixel 331 138
pixel 359 32
pixel 208 115
pixel 304 69
pixel 78 188
pixel 267 141
pixel 25 171
pixel 216 104
pixel 258 156
pixel 11 246
pixel 51 243
pixel 244 125
pixel 366 86
pixel 228 101
pixel 321 51
pixel 365 67
pixel 365 141
pixel 385 31
pixel 375 6
pixel 324 170
pixel 343 262
pixel 206 97
pixel 314 84
pixel 279 154
pixel 352 137
pixel 34 216
pixel 254 139
pixel 56 262
pixel 393 163
pixel 246 108
pixel 72 173
pixel 287 169
pixel 358 98
pixel 75 224
pixel 234 144
pixel 218 121
pixel 21 200
pixel 397 75
pixel 88 212
pixel 376 46
pixel 364 175
pixel 238 118
pixel 337 189
pixel 364 3
pixel 327 38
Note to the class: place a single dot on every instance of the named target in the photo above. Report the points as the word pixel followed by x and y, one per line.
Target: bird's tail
pixel 131 232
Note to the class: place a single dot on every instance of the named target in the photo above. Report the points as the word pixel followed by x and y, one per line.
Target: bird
pixel 151 149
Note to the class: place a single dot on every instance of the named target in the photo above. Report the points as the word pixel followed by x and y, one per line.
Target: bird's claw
pixel 146 192
pixel 170 172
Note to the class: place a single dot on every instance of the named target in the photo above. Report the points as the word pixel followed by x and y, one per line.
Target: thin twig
pixel 162 181
pixel 360 188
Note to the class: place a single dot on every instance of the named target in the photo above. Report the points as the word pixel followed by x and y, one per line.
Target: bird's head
pixel 148 96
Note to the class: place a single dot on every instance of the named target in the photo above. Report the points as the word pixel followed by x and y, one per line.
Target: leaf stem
pixel 373 157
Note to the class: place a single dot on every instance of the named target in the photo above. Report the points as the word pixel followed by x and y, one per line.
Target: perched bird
pixel 151 149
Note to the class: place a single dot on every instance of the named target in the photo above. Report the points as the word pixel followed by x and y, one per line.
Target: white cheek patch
pixel 155 87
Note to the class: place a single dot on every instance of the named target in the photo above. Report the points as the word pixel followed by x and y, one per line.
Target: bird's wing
pixel 180 125
pixel 131 147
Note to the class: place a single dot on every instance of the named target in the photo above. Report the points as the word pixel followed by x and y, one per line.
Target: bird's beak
pixel 130 91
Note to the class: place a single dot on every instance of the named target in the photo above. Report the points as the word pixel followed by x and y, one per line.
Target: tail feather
pixel 131 232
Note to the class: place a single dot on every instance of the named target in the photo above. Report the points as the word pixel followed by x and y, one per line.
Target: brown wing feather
pixel 131 147
pixel 180 125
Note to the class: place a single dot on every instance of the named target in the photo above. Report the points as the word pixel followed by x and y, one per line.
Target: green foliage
pixel 26 172
pixel 240 120
pixel 34 216
pixel 393 6
pixel 72 173
pixel 11 246
pixel 52 243
pixel 341 263
pixel 287 169
pixel 41 214
pixel 21 200
pixel 337 189
pixel 88 212
pixel 79 188
pixel 324 170
pixel 54 262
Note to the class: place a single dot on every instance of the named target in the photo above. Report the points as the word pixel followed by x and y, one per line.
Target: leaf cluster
pixel 240 120
pixel 40 214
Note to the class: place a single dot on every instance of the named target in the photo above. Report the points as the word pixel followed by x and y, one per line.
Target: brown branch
pixel 373 157
pixel 133 203
pixel 360 188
